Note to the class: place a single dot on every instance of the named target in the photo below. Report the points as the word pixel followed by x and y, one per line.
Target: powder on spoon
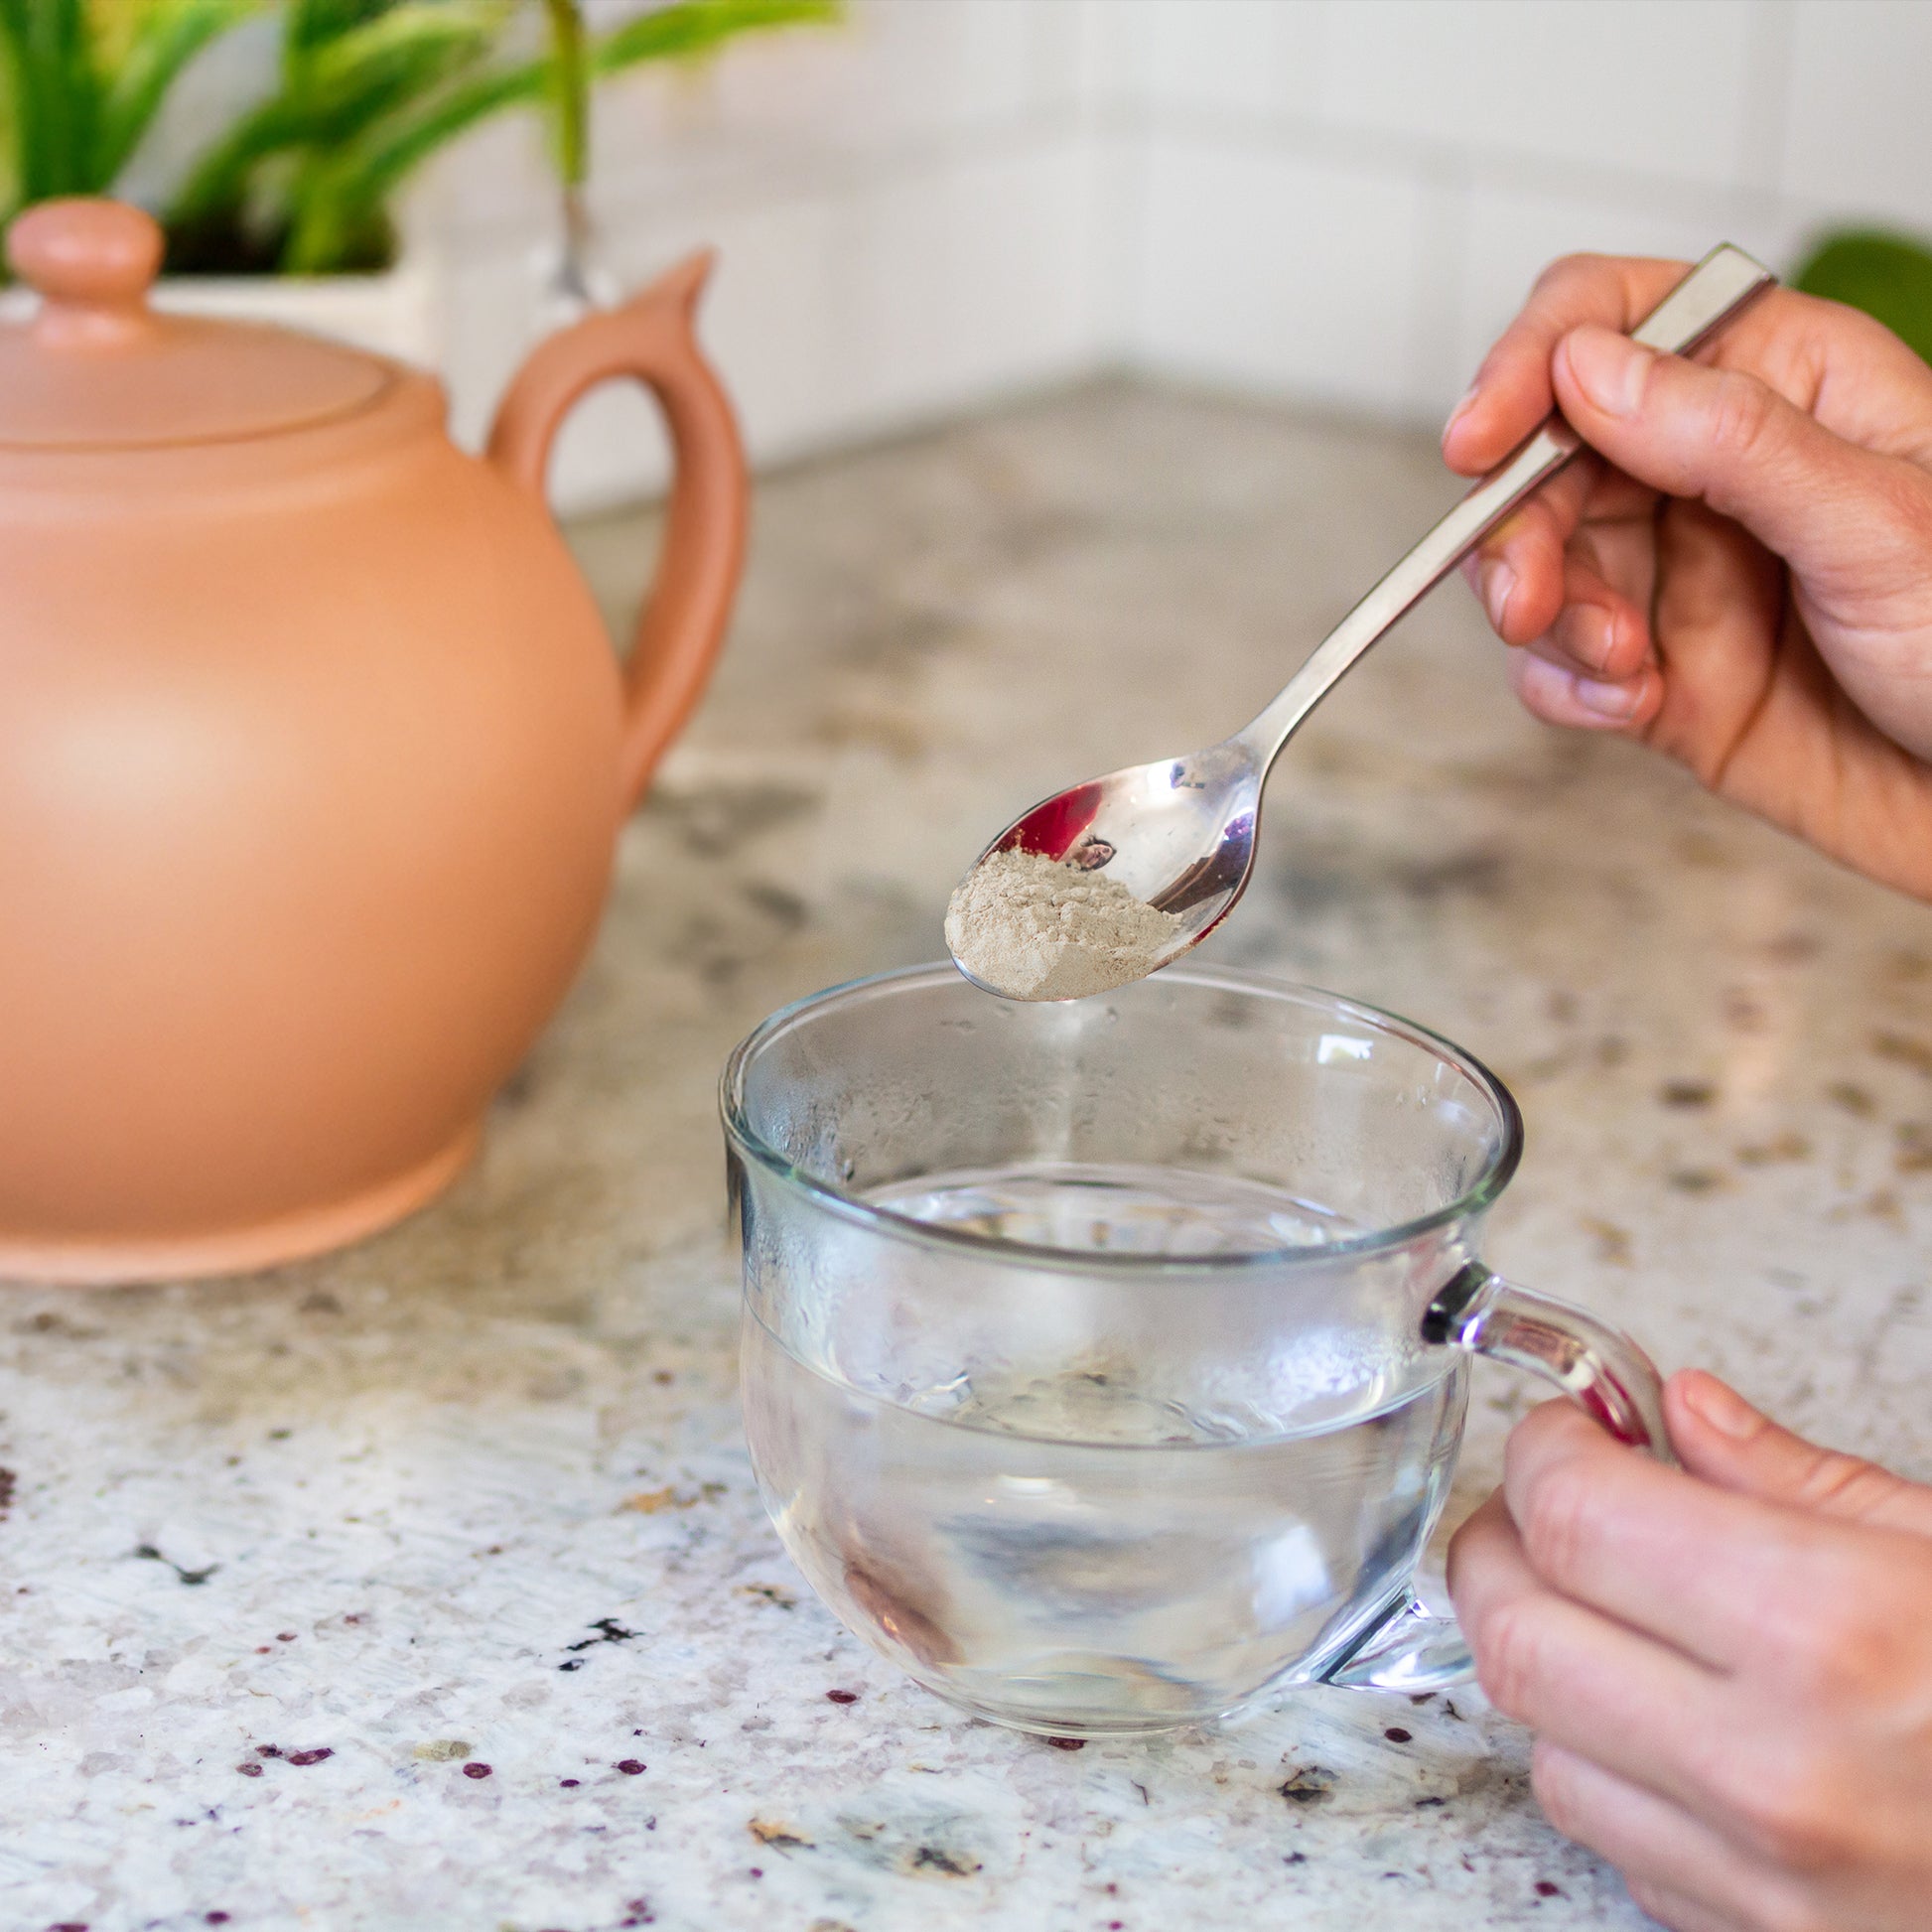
pixel 1032 928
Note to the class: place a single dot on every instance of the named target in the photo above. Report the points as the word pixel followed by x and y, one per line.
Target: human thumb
pixel 1720 1438
pixel 1728 439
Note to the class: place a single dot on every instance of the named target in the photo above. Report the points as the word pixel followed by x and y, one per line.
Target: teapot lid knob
pixel 87 257
pixel 97 368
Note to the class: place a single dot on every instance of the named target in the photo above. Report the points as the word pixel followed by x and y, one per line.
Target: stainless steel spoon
pixel 1180 833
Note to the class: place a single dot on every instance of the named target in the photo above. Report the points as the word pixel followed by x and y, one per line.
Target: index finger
pixel 1578 1678
pixel 1511 393
pixel 1724 1576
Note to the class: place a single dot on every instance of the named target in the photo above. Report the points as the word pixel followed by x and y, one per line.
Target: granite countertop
pixel 426 1586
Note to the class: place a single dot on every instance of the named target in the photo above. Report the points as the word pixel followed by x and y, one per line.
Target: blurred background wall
pixel 941 203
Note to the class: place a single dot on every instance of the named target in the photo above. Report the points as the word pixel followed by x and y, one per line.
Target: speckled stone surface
pixel 426 1586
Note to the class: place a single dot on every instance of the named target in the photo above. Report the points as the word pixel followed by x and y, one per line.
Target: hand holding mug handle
pixel 1600 1369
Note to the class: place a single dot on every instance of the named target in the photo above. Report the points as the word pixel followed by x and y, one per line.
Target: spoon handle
pixel 1708 296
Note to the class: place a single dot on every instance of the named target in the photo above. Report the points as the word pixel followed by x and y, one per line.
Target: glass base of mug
pixel 1402 1646
pixel 1083 1705
pixel 1412 1649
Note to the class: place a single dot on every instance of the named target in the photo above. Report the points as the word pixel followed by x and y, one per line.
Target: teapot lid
pixel 96 369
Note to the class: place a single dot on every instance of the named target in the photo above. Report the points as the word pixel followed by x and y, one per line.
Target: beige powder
pixel 1032 928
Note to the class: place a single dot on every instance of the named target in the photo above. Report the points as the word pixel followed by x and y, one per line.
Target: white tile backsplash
pixel 1648 87
pixel 1857 127
pixel 1513 234
pixel 943 201
pixel 900 71
pixel 770 319
pixel 805 104
pixel 830 317
pixel 972 278
pixel 1272 272
pixel 1261 56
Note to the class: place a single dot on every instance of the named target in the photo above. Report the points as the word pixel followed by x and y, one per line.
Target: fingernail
pixel 1460 410
pixel 1607 700
pixel 1498 581
pixel 1610 370
pixel 1721 1406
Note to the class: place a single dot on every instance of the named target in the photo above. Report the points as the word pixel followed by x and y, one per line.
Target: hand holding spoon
pixel 1178 835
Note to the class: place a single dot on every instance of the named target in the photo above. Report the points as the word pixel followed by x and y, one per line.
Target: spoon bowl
pixel 1179 833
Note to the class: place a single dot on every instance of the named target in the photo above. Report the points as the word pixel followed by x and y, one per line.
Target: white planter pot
pixel 399 312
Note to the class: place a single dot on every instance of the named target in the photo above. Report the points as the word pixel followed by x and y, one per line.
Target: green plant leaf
pixel 569 90
pixel 393 151
pixel 371 89
pixel 382 160
pixel 54 94
pixel 13 132
pixel 308 24
pixel 404 52
pixel 402 33
pixel 696 27
pixel 165 37
pixel 1889 276
pixel 339 87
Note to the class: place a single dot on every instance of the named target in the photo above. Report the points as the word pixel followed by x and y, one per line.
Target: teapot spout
pixel 686 283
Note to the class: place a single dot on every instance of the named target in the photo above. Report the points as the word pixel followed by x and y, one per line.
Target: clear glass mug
pixel 1104 1363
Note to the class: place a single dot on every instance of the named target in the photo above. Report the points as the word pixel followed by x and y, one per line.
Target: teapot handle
pixel 650 337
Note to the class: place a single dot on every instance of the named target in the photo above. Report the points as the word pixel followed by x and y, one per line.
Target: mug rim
pixel 1475 1201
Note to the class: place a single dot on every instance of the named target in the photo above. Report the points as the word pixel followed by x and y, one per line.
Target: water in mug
pixel 1068 1550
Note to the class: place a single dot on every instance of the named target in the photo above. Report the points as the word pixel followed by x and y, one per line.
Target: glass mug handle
pixel 1600 1369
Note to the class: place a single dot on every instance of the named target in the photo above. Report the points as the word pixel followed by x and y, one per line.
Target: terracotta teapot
pixel 313 754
